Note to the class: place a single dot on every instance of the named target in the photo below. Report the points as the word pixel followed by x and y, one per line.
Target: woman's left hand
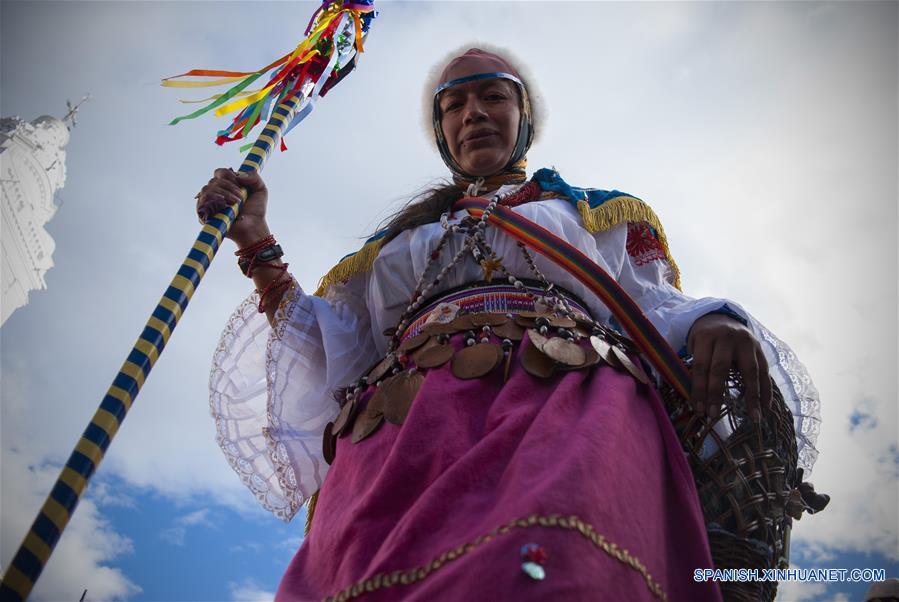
pixel 718 343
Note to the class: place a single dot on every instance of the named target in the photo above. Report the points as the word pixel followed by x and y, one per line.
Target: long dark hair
pixel 424 208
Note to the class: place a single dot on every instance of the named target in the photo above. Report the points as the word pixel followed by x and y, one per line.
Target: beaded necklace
pixel 395 384
pixel 476 244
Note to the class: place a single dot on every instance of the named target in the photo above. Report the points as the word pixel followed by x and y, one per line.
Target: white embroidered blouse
pixel 271 388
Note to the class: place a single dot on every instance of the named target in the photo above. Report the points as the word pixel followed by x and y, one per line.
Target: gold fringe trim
pixel 602 218
pixel 310 510
pixel 572 523
pixel 627 209
pixel 360 261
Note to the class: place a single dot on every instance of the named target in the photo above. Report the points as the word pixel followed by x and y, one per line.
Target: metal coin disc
pixel 367 422
pixel 329 444
pixel 537 339
pixel 562 322
pixel 380 370
pixel 536 363
pixel 509 330
pixel 462 322
pixel 616 337
pixel 439 328
pixel 487 319
pixel 431 342
pixel 591 358
pixel 584 325
pixel 378 399
pixel 344 418
pixel 476 360
pixel 604 350
pixel 564 351
pixel 434 357
pixel 583 332
pixel 525 321
pixel 629 365
pixel 415 342
pixel 401 391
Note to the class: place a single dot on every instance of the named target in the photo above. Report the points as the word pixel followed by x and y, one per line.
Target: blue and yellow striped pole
pixel 54 515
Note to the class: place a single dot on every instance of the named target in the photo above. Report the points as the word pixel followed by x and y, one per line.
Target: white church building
pixel 32 169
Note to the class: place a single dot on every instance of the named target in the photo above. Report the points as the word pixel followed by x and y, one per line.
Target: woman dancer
pixel 494 436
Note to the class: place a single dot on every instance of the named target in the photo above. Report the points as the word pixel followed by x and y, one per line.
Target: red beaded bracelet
pixel 261 251
pixel 256 247
pixel 277 285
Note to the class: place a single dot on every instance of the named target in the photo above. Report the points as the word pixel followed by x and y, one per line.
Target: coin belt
pixel 488 298
pixel 562 337
pixel 558 344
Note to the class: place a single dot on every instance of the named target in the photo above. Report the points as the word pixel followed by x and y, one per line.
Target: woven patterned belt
pixel 490 298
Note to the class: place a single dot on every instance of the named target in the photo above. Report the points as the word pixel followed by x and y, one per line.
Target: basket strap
pixel 644 334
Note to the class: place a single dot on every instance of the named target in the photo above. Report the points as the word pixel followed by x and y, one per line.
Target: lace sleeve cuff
pixel 243 399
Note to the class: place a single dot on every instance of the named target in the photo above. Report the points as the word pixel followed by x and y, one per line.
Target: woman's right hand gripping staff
pixel 259 255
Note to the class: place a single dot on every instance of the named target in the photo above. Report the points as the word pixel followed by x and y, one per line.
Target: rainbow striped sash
pixel 647 338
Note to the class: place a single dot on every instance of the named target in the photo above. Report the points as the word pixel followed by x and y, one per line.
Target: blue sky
pixel 763 134
pixel 247 551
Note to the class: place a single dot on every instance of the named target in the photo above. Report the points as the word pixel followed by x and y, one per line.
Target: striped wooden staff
pixel 334 37
pixel 54 515
pixel 335 33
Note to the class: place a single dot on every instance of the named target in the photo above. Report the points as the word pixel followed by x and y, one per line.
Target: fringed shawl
pixel 600 210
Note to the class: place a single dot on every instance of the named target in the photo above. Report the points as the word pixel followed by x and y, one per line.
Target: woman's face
pixel 480 123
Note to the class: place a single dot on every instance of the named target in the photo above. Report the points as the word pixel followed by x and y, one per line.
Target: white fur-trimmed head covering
pixel 538 111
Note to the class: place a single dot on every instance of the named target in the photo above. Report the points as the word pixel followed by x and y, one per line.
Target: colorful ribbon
pixel 334 38
pixel 645 336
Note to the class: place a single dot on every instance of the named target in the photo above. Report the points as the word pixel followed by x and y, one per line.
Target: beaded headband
pixel 475 77
pixel 525 127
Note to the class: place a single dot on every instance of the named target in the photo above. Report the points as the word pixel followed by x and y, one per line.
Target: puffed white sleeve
pixel 648 277
pixel 271 388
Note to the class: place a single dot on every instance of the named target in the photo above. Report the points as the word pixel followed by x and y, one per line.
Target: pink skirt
pixel 585 465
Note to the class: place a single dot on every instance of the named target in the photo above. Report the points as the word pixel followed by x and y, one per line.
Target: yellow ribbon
pixel 216 96
pixel 200 84
pixel 248 100
pixel 248 97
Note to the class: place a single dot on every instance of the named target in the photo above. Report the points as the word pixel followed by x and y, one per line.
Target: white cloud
pixel 292 543
pixel 888 462
pixel 86 549
pixel 862 512
pixel 795 591
pixel 173 535
pixel 247 546
pixel 811 553
pixel 105 494
pixel 249 591
pixel 177 533
pixel 198 517
pixel 863 417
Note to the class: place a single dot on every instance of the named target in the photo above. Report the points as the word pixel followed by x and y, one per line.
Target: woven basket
pixel 748 484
